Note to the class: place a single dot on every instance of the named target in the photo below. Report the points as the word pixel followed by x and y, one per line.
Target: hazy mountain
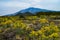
pixel 30 10
pixel 34 10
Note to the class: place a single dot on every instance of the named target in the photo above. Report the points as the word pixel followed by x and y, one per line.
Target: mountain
pixel 34 10
pixel 30 10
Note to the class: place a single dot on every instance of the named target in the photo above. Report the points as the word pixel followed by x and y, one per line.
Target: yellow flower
pixel 52 23
pixel 43 20
pixel 47 28
pixel 0 31
pixel 33 32
pixel 40 32
pixel 43 36
pixel 8 22
pixel 56 28
pixel 54 35
pixel 23 26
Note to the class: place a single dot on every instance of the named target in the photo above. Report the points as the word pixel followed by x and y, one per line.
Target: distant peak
pixel 32 8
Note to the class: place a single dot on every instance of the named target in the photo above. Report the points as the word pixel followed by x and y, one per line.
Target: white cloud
pixel 21 4
pixel 36 1
pixel 16 4
pixel 12 6
pixel 28 3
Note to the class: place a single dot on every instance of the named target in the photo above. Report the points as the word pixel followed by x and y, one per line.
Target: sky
pixel 12 6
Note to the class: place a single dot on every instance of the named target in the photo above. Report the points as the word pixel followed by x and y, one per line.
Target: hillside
pixel 34 11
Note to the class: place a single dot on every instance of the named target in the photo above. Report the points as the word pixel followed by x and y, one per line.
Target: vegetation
pixel 41 27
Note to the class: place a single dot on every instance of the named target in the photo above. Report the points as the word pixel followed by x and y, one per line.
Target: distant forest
pixel 37 14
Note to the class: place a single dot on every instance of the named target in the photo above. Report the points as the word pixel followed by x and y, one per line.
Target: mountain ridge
pixel 31 10
pixel 34 10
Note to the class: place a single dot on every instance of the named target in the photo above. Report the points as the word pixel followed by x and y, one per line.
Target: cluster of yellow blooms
pixel 26 28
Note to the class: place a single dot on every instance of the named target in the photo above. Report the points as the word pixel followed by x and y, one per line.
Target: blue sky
pixel 12 6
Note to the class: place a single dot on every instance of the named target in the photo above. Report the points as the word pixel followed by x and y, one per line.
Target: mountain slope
pixel 30 10
pixel 34 10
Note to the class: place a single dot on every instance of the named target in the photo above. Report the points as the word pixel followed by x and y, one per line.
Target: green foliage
pixel 29 28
